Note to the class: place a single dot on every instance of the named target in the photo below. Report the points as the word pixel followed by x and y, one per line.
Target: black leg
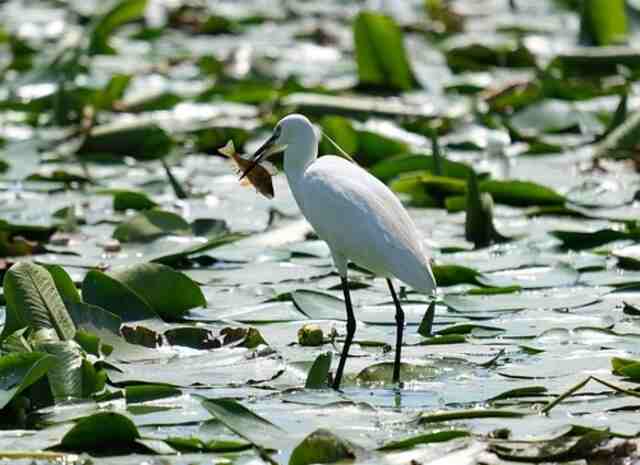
pixel 351 330
pixel 399 329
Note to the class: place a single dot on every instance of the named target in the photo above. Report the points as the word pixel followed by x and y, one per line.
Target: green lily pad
pixel 321 446
pixel 151 224
pixel 245 423
pixel 168 293
pixel 102 290
pixel 92 433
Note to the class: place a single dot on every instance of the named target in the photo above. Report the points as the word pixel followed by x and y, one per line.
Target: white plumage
pixel 360 219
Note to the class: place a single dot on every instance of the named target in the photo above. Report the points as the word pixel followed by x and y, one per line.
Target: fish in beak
pixel 260 175
pixel 270 147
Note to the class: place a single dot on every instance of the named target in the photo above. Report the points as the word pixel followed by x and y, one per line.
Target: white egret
pixel 357 215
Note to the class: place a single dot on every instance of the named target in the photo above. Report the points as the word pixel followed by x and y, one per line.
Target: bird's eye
pixel 277 131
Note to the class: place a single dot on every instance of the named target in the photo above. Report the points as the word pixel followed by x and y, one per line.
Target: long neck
pixel 299 154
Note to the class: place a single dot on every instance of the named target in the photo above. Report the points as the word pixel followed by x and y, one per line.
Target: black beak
pixel 260 153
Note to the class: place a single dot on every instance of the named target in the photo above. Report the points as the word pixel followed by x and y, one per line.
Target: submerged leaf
pixel 383 372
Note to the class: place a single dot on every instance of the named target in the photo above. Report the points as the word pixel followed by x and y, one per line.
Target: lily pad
pixel 169 293
pixel 151 224
pixel 321 446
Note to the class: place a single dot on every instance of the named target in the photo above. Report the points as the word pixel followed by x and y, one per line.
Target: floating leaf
pixel 444 339
pixel 321 446
pixel 563 449
pixel 509 192
pixel 578 240
pixel 105 291
pixel 319 306
pixel 440 417
pixel 383 372
pixel 427 438
pixel 147 392
pixel 464 53
pixel 466 328
pixel 521 193
pixel 597 61
pixel 215 445
pixel 245 423
pixel 392 167
pixel 197 338
pixel 176 257
pixel 132 200
pixel 97 323
pixel 549 115
pixel 139 140
pixel 626 367
pixel 528 391
pixel 94 432
pixel 151 224
pixel 169 293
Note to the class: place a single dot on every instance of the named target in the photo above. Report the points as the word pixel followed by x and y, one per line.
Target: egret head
pixel 289 130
